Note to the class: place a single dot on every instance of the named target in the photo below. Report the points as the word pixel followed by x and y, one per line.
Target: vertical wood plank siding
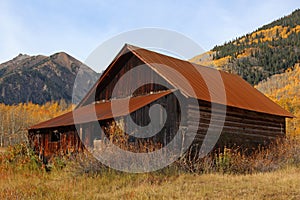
pixel 69 142
pixel 171 126
pixel 104 91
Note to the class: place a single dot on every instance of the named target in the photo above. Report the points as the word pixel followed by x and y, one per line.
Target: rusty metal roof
pixel 100 111
pixel 239 93
pixel 204 82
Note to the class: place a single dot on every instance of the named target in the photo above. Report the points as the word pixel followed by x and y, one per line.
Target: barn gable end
pixel 122 64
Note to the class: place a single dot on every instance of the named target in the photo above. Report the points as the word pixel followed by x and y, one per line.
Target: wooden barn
pixel 250 118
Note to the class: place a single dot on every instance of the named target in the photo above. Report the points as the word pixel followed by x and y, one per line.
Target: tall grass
pixel 281 154
pixel 269 173
pixel 278 155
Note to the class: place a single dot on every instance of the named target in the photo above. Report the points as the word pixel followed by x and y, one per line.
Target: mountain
pixel 269 50
pixel 39 79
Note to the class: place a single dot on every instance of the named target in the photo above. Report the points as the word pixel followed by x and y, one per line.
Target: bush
pixel 20 157
pixel 278 155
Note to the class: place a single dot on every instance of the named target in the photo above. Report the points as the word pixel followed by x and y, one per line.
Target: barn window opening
pixel 55 136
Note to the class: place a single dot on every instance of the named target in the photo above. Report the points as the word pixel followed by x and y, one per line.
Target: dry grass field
pixel 282 184
pixel 269 174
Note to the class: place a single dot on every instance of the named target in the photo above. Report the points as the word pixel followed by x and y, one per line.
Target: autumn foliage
pixel 284 89
pixel 16 119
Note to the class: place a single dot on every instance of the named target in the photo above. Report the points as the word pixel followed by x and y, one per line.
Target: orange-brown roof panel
pixel 100 111
pixel 205 83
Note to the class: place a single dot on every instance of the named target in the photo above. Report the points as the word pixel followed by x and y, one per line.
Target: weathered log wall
pixel 241 127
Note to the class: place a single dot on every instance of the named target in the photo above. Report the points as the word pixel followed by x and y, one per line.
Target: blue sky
pixel 78 27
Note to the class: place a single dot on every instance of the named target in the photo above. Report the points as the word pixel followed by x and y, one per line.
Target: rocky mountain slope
pixel 40 79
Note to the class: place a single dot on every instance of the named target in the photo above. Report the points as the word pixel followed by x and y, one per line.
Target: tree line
pixel 16 119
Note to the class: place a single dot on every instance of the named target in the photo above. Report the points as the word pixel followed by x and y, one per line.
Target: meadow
pixel 282 184
pixel 271 173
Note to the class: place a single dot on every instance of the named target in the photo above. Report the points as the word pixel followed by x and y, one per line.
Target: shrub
pixel 278 155
pixel 19 157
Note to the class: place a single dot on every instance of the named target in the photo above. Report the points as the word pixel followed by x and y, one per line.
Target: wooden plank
pixel 203 122
pixel 242 120
pixel 229 138
pixel 235 114
pixel 236 129
pixel 207 107
pixel 254 124
pixel 249 116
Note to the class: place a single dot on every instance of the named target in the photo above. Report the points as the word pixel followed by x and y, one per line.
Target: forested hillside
pixel 269 50
pixel 285 90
